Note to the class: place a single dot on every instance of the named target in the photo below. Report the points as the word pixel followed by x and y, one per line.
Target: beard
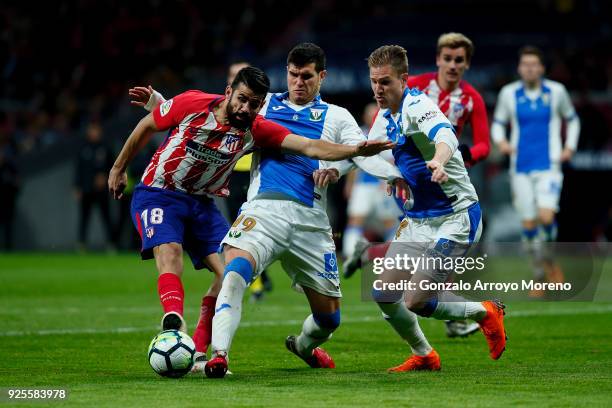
pixel 237 120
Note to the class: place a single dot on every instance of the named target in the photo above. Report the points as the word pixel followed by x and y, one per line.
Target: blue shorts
pixel 163 216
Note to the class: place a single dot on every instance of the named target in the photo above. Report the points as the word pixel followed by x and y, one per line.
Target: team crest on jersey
pixel 546 99
pixel 232 142
pixel 150 232
pixel 316 114
pixel 164 108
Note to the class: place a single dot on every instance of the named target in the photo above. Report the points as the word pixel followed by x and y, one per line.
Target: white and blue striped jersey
pixel 417 128
pixel 279 175
pixel 535 118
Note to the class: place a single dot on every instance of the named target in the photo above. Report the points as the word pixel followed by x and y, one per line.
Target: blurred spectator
pixel 94 160
pixel 9 187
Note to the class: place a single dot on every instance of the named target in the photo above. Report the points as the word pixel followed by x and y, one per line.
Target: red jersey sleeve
pixel 480 129
pixel 420 82
pixel 268 134
pixel 172 112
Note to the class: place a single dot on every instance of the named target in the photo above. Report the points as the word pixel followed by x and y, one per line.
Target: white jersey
pixel 417 128
pixel 289 176
pixel 535 119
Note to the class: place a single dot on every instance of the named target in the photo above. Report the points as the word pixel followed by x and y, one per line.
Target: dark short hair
pixel 254 79
pixel 531 50
pixel 306 53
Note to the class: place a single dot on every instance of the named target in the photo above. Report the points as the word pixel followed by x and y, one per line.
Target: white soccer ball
pixel 171 353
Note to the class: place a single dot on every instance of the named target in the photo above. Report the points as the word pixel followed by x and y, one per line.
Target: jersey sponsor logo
pixel 296 117
pixel 164 108
pixel 277 108
pixel 232 142
pixel 206 154
pixel 427 116
pixel 316 115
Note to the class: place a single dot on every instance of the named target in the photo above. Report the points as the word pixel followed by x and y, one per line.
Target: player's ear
pixel 228 91
pixel 322 74
pixel 404 78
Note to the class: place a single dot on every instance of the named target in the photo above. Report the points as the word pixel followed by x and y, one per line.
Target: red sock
pixel 203 331
pixel 377 251
pixel 171 293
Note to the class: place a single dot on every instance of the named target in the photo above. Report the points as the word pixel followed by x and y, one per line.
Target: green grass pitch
pixel 84 323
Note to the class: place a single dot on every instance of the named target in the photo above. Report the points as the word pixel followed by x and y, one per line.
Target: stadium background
pixel 67 63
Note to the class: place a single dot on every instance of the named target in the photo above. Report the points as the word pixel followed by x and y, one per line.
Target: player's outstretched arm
pixel 142 133
pixel 322 150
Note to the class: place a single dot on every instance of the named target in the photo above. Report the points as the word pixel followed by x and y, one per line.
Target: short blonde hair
pixel 393 55
pixel 456 40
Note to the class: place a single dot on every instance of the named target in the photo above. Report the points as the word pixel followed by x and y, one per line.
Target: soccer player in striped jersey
pixel 445 218
pixel 171 207
pixel 456 98
pixel 535 108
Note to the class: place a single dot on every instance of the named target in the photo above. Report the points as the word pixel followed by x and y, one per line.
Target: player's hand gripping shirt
pixel 416 129
pixel 289 176
pixel 198 155
pixel 535 121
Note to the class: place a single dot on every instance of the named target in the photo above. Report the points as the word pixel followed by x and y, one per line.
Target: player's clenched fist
pixel 117 181
pixel 438 174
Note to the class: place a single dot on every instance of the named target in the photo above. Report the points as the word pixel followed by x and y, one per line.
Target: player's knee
pixel 327 321
pixel 169 258
pixel 422 308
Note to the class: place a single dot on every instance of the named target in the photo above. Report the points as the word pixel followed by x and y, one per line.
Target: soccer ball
pixel 171 353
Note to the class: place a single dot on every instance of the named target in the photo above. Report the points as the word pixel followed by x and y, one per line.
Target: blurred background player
pixel 535 108
pixel 456 98
pixel 367 196
pixel 94 159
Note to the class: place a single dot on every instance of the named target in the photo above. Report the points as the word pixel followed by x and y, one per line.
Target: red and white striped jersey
pixel 198 155
pixel 462 105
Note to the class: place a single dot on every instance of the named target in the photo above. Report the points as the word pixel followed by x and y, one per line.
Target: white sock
pixel 533 247
pixel 406 324
pixel 349 240
pixel 459 311
pixel 227 311
pixel 312 336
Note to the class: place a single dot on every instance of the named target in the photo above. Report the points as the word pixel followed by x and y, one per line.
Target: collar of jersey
pixel 284 98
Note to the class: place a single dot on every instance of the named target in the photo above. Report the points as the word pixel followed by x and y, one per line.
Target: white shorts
pixel 372 198
pixel 534 190
pixel 463 227
pixel 299 236
pixel 448 236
